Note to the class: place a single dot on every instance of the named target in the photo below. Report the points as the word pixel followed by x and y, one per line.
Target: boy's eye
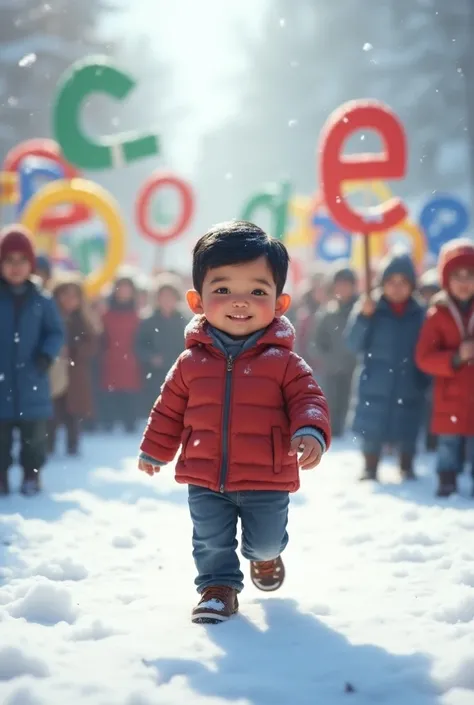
pixel 259 292
pixel 222 290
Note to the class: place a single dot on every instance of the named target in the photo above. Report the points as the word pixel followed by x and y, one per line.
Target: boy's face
pixel 16 268
pixel 397 289
pixel 344 290
pixel 461 284
pixel 239 299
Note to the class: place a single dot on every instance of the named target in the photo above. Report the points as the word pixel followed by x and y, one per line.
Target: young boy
pixel 242 404
pixel 384 331
pixel 31 336
pixel 446 351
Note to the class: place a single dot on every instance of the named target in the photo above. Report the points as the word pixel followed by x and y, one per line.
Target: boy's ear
pixel 282 305
pixel 194 301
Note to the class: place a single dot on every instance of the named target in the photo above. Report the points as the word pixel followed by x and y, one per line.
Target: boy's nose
pixel 240 303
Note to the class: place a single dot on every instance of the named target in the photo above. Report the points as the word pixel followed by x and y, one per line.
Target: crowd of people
pixel 396 367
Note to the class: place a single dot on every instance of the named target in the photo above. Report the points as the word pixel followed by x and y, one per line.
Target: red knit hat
pixel 455 254
pixel 16 238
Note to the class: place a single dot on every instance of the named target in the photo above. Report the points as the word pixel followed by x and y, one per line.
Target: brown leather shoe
pixel 267 575
pixel 217 604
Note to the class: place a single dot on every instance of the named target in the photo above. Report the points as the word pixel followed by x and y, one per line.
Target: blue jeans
pixel 453 452
pixel 264 517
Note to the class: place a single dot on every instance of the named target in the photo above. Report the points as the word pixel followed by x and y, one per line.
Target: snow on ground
pixel 96 587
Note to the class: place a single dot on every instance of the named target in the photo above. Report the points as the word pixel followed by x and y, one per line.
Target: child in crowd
pixel 161 336
pixel 391 398
pixel 241 403
pixel 31 336
pixel 120 369
pixel 337 362
pixel 446 351
pixel 76 401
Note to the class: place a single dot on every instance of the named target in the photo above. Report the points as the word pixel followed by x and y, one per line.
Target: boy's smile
pixel 239 299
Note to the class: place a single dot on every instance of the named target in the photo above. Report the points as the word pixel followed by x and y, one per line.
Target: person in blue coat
pixel 31 336
pixel 383 331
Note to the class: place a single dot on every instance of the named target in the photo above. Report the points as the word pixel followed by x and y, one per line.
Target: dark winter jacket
pixel 330 346
pixel 159 336
pixel 391 395
pixel 31 336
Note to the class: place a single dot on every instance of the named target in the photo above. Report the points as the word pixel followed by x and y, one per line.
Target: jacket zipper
pixel 225 422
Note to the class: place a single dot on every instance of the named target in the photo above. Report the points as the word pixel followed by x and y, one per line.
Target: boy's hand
pixel 466 350
pixel 312 451
pixel 147 467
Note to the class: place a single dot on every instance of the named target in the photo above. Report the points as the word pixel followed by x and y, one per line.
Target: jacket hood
pixel 398 264
pixel 455 254
pixel 279 333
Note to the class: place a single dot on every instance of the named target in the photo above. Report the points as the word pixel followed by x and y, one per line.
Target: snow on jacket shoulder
pixel 234 418
pixel 440 338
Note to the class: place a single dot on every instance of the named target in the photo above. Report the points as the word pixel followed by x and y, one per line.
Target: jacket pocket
pixel 277 445
pixel 184 442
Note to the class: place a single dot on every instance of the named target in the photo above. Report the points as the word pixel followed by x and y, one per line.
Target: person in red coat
pixel 241 404
pixel 445 350
pixel 120 368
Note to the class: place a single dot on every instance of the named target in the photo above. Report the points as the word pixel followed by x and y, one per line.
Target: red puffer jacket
pixel 442 333
pixel 235 418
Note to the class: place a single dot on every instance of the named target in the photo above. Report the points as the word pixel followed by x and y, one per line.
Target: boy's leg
pixel 72 423
pixel 372 451
pixel 264 516
pixel 407 455
pixel 449 462
pixel 34 439
pixel 6 440
pixel 219 578
pixel 214 516
pixel 128 402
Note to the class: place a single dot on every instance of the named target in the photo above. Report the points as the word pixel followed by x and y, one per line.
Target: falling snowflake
pixel 2 378
pixel 282 22
pixel 367 46
pixel 149 375
pixel 27 60
pixel 35 389
pixel 399 401
pixel 454 419
pixel 292 123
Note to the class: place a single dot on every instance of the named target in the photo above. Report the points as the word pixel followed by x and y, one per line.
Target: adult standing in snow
pixel 241 403
pixel 31 336
pixel 384 331
pixel 446 351
pixel 337 362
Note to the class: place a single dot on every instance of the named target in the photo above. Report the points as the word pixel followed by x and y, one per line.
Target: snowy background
pixel 97 588
pixel 240 89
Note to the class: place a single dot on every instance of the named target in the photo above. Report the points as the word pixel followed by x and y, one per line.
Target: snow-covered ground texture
pixel 97 587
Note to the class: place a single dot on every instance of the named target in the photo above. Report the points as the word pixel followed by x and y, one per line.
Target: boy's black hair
pixel 237 242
